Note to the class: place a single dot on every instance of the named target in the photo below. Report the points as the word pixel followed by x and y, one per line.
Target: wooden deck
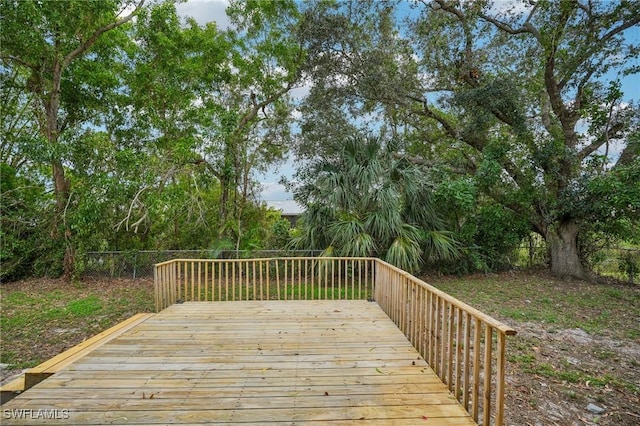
pixel 253 362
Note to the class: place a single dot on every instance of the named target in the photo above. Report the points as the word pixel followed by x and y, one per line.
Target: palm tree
pixel 369 201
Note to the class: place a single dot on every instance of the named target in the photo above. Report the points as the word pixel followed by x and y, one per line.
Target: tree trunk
pixel 62 187
pixel 61 183
pixel 224 199
pixel 563 246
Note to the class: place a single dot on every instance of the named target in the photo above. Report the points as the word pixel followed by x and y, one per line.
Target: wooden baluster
pixel 476 369
pixel 450 346
pixel 459 345
pixel 268 272
pixel 278 280
pixel 340 279
pixel 500 377
pixel 467 350
pixel 437 314
pixel 488 344
pixel 206 281
pixel 227 266
pixel 199 281
pixel 333 280
pixel 429 330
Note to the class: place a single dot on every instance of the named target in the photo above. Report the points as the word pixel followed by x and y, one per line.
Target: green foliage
pixel 629 264
pixel 160 123
pixel 149 132
pixel 488 233
pixel 498 233
pixel 279 234
pixel 369 202
pixel 493 96
pixel 25 248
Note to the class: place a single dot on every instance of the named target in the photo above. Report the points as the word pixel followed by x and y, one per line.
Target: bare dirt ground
pixel 574 362
pixel 558 373
pixel 586 375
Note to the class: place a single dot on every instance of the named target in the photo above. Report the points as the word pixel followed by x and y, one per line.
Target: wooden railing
pixel 464 347
pixel 293 278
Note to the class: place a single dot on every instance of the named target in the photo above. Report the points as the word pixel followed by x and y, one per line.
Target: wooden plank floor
pixel 255 362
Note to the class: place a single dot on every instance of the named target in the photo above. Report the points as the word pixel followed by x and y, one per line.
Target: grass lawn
pixel 43 317
pixel 606 310
pixel 578 343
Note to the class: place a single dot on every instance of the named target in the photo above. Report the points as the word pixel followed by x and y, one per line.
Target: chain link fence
pixel 619 263
pixel 139 264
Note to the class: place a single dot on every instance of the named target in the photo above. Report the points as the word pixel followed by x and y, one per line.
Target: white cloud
pixel 296 115
pixel 275 195
pixel 510 7
pixel 204 11
pixel 300 92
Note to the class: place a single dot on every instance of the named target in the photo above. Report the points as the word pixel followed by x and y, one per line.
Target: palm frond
pixel 405 254
pixel 440 245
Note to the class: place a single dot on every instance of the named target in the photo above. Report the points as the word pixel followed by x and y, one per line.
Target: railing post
pixel 155 288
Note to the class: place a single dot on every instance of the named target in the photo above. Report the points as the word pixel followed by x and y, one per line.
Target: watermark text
pixel 36 414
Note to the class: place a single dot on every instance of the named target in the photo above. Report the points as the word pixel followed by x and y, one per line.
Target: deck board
pixel 253 362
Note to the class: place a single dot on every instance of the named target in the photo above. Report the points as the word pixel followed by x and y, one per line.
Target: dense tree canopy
pixel 523 98
pixel 147 130
pixel 126 126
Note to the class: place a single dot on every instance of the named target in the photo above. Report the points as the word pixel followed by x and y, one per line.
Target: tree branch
pixel 611 133
pixel 94 37
pixel 592 48
pixel 567 118
pixel 448 127
pixel 468 38
pixel 19 61
pixel 580 90
pixel 526 28
pixel 421 161
pixel 624 26
pixel 257 106
pixel 127 218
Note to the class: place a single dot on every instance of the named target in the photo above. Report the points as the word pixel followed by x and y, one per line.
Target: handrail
pixel 455 339
pixel 287 278
pixel 465 347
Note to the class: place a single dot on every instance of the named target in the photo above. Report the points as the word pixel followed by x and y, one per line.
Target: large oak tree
pixel 525 100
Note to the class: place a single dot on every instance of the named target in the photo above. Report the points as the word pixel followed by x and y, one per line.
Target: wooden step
pixel 37 374
pixel 11 389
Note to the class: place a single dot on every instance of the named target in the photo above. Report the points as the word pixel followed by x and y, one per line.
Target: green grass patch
pixel 85 307
pixel 290 291
pixel 601 309
pixel 41 318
